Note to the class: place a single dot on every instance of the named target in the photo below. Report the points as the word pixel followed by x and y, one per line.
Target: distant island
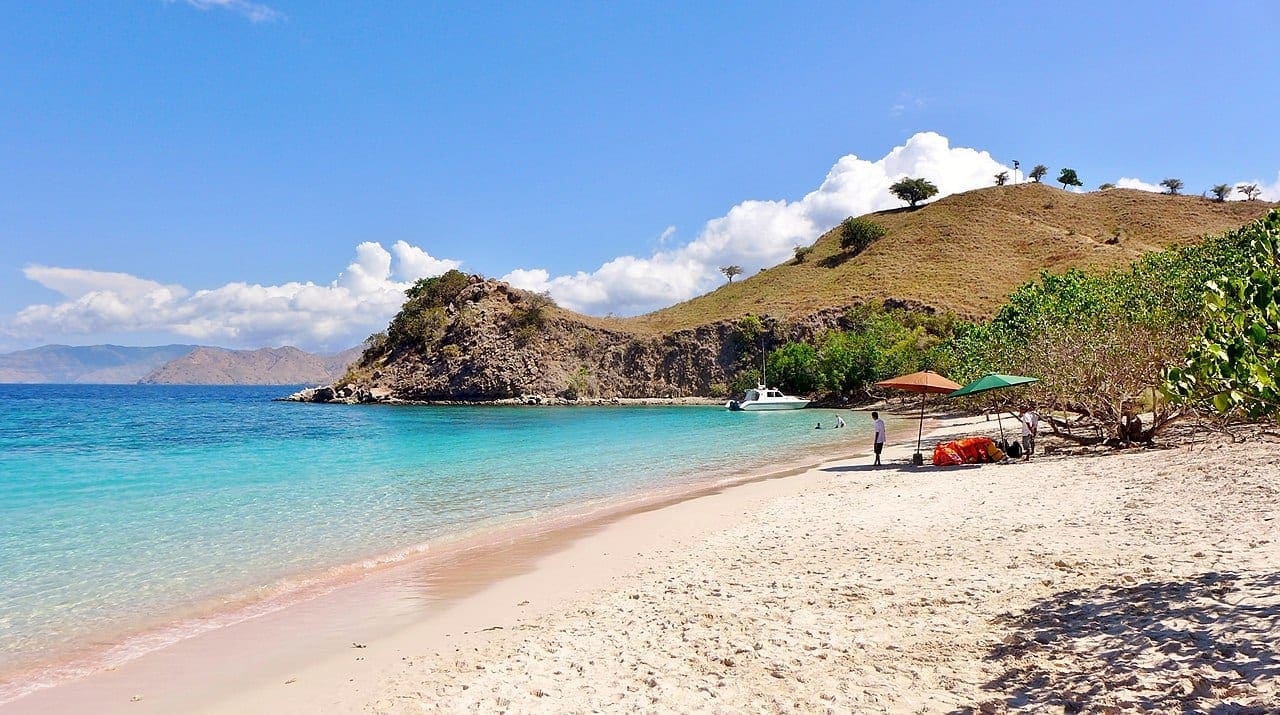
pixel 172 365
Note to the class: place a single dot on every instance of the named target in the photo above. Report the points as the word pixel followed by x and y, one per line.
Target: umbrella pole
pixel 920 434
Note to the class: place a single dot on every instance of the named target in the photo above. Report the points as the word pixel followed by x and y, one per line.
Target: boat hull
pixel 736 406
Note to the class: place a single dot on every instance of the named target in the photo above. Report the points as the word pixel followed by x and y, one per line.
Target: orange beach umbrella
pixel 923 382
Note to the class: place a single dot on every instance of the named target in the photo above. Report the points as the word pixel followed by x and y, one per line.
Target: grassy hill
pixel 964 253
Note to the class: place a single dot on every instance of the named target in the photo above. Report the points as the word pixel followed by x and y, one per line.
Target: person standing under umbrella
pixel 1030 428
pixel 880 435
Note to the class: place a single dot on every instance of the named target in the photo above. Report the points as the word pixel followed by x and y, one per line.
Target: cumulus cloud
pixel 759 233
pixel 337 315
pixel 1126 182
pixel 255 12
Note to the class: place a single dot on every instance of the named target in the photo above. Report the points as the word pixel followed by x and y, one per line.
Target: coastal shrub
pixel 1233 365
pixel 745 380
pixel 579 385
pixel 858 233
pixel 794 368
pixel 529 318
pixel 1100 343
pixel 748 330
pixel 802 252
pixel 422 320
pixel 451 352
pixel 375 346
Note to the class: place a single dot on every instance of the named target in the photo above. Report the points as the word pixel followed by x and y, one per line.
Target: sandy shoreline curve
pixel 386 594
pixel 1142 580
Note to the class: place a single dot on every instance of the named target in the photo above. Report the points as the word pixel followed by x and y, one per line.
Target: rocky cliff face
pixel 500 343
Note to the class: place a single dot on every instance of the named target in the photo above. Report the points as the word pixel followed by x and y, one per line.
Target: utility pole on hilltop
pixel 1015 170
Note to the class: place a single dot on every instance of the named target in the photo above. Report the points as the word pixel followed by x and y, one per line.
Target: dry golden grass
pixel 963 253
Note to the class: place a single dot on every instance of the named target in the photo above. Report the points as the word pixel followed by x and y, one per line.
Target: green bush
pixel 858 233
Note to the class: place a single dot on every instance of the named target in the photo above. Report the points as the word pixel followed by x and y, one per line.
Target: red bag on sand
pixel 946 455
pixel 971 450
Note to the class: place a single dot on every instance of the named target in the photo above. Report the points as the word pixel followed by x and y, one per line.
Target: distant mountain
pixel 267 366
pixel 89 364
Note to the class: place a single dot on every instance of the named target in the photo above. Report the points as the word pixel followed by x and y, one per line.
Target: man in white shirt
pixel 880 434
pixel 1030 428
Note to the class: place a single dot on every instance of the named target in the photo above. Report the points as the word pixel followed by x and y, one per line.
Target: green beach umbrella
pixel 993 381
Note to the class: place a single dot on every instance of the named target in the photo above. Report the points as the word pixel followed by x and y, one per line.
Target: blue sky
pixel 216 171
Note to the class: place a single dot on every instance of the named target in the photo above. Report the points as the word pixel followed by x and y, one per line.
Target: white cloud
pixel 755 234
pixel 255 12
pixel 1126 182
pixel 361 300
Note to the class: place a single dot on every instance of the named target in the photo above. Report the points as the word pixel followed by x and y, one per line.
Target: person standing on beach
pixel 880 435
pixel 1030 428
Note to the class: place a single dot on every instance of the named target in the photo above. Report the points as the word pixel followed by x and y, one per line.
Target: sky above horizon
pixel 253 174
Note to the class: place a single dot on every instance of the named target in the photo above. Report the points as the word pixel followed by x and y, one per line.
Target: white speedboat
pixel 764 398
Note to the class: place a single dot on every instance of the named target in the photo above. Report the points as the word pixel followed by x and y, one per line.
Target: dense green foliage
pixel 1234 365
pixel 422 320
pixel 877 344
pixel 858 233
pixel 1068 178
pixel 913 190
pixel 1100 343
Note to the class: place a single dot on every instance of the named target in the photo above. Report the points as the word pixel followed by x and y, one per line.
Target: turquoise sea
pixel 124 509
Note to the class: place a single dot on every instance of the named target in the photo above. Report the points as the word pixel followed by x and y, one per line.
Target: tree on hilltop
pixel 1002 178
pixel 1104 187
pixel 1250 191
pixel 731 271
pixel 1038 172
pixel 1221 192
pixel 1068 178
pixel 1172 186
pixel 913 190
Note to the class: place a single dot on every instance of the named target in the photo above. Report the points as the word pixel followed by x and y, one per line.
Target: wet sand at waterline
pixel 1138 580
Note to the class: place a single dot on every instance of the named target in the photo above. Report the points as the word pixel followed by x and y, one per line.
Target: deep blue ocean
pixel 125 506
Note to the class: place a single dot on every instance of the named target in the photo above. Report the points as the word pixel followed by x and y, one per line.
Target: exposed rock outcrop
pixel 492 350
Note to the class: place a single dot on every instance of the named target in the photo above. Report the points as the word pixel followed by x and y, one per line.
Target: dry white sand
pixel 1134 581
pixel 1147 580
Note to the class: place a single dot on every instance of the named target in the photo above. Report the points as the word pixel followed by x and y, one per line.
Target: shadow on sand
pixel 1202 645
pixel 901 467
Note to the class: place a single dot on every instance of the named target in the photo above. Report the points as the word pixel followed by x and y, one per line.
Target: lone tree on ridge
pixel 1068 178
pixel 1221 192
pixel 1104 187
pixel 731 271
pixel 1002 178
pixel 913 190
pixel 1250 191
pixel 1038 172
pixel 1172 186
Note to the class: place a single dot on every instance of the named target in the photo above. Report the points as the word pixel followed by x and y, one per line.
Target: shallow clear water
pixel 125 507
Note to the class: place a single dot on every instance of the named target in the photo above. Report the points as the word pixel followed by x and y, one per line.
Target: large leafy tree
pixel 913 191
pixel 1068 178
pixel 1235 366
pixel 731 271
pixel 1038 172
